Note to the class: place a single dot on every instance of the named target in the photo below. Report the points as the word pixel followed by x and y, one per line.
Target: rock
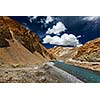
pixel 89 52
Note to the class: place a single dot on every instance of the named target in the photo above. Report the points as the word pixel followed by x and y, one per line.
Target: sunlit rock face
pixel 89 51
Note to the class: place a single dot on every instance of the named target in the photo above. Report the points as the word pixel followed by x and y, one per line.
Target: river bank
pixel 68 78
pixel 38 73
pixel 94 66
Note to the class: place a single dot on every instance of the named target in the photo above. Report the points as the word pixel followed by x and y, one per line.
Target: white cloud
pixel 79 45
pixel 31 18
pixel 79 36
pixel 48 19
pixel 34 17
pixel 59 27
pixel 91 18
pixel 47 39
pixel 42 20
pixel 65 40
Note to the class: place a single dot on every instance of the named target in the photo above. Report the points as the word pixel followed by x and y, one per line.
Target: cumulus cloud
pixel 65 40
pixel 49 19
pixel 59 27
pixel 91 18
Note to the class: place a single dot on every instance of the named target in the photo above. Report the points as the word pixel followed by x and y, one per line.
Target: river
pixel 83 74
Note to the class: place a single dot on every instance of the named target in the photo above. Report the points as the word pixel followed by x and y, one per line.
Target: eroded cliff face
pixel 13 36
pixel 89 52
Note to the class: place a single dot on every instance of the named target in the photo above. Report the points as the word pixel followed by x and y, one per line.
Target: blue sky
pixel 62 30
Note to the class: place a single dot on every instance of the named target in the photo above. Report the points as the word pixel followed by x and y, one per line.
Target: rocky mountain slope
pixel 86 56
pixel 64 53
pixel 89 52
pixel 19 45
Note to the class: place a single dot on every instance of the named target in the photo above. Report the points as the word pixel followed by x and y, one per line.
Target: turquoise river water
pixel 83 74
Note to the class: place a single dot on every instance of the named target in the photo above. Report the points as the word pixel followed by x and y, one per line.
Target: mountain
pixel 19 45
pixel 89 52
pixel 64 53
pixel 86 56
pixel 23 58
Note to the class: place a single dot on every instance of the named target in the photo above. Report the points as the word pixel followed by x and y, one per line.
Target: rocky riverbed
pixel 39 73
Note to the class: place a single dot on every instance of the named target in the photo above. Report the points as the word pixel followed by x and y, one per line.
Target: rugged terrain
pixel 24 59
pixel 19 45
pixel 22 56
pixel 89 52
pixel 87 56
pixel 38 73
pixel 64 53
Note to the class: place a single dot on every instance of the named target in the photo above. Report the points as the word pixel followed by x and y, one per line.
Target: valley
pixel 86 56
pixel 24 59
